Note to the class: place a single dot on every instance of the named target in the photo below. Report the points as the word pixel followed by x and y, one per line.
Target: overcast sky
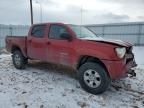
pixel 69 11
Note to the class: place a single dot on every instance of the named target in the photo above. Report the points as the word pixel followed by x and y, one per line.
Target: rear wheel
pixel 93 78
pixel 19 60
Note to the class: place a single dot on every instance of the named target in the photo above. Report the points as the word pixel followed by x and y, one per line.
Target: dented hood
pixel 109 41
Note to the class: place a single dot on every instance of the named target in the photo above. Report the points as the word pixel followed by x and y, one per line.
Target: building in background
pixel 132 32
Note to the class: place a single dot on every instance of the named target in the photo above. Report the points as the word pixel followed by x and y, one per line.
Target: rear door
pixel 36 46
pixel 59 50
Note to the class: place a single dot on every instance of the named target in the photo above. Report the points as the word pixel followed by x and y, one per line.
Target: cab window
pixel 56 31
pixel 38 31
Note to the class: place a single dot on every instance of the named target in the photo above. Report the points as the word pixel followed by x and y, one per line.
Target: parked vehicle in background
pixel 97 60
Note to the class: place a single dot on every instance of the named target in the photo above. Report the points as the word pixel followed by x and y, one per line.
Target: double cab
pixel 96 60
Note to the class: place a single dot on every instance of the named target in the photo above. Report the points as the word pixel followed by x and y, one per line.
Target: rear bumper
pixel 120 69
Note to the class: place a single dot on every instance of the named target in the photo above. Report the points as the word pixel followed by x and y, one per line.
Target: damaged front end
pixel 130 62
pixel 131 73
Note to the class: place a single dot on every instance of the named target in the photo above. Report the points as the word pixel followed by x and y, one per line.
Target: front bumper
pixel 120 69
pixel 132 73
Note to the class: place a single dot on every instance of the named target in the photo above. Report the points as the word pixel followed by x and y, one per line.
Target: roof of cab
pixel 47 23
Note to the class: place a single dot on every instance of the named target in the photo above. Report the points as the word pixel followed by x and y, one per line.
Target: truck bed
pixel 16 41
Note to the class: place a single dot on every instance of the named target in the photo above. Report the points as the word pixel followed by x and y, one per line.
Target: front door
pixel 59 50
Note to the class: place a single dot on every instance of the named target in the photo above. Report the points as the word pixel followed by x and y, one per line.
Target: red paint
pixel 69 52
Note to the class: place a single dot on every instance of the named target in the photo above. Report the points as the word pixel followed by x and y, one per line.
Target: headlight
pixel 120 52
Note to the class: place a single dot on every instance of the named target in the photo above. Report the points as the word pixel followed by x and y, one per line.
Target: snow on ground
pixel 139 54
pixel 43 85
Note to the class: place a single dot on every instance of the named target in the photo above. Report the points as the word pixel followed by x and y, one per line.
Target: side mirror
pixel 66 36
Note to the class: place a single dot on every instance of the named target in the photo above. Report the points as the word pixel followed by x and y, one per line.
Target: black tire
pixel 22 60
pixel 104 78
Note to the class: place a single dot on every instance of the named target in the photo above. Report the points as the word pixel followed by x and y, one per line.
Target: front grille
pixel 129 50
pixel 129 54
pixel 128 60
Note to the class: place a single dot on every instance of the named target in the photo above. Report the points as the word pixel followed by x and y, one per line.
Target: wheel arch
pixel 14 48
pixel 85 58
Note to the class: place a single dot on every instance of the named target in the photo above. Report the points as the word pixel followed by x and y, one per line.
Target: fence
pixel 131 32
pixel 16 30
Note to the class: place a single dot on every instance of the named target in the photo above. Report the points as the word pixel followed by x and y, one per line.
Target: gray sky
pixel 69 11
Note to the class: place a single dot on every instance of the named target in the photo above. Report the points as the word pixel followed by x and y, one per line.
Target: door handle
pixel 48 43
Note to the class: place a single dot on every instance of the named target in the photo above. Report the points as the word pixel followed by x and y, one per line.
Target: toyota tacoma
pixel 96 60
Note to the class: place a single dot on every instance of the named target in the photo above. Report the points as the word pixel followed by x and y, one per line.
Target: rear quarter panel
pixel 16 41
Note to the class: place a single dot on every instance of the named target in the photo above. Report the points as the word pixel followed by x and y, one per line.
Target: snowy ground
pixel 43 85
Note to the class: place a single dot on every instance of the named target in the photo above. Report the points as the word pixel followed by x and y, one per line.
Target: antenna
pixel 81 20
pixel 81 14
pixel 41 14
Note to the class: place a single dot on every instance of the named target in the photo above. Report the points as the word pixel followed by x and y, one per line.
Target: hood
pixel 109 41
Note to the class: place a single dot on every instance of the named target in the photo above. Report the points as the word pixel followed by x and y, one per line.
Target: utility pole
pixel 31 10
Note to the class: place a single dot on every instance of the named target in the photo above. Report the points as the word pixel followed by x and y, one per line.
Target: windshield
pixel 82 32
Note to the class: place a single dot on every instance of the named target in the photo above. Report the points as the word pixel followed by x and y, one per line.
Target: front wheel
pixel 93 78
pixel 19 60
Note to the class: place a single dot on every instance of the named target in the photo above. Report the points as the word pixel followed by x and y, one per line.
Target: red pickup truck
pixel 96 60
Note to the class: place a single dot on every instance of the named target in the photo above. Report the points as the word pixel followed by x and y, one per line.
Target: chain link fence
pixel 12 30
pixel 131 32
